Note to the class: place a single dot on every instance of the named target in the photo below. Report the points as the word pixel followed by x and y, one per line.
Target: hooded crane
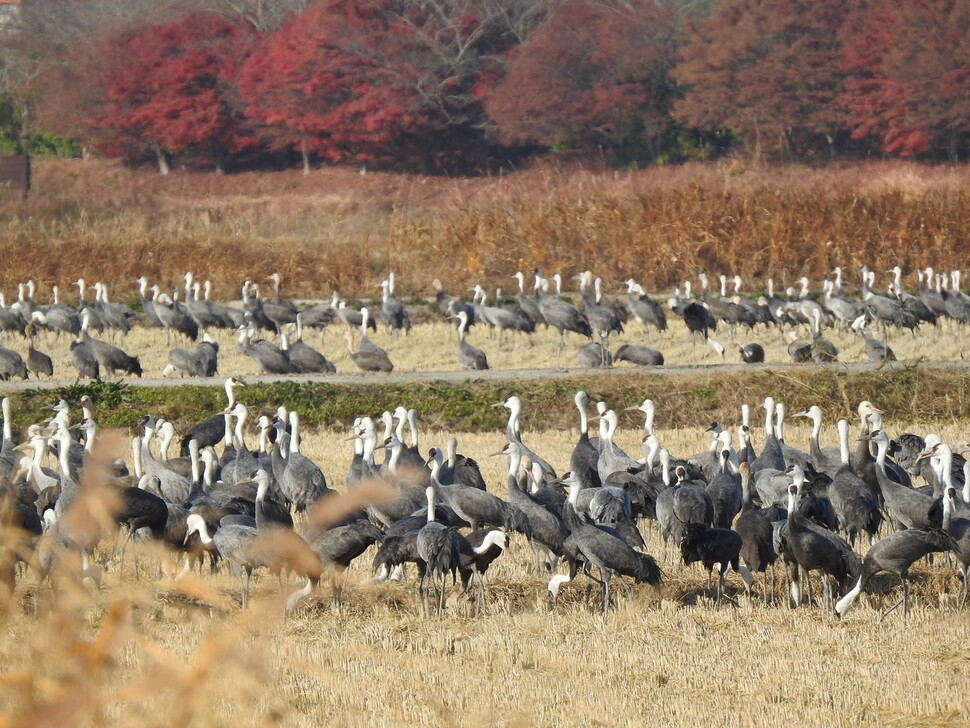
pixel 548 531
pixel 209 432
pixel 958 528
pixel 895 554
pixel 756 531
pixel 478 507
pixel 110 357
pixel 235 544
pixel 469 356
pixel 602 547
pixel 437 552
pixel 298 477
pixel 814 548
pixel 716 548
pixel 369 357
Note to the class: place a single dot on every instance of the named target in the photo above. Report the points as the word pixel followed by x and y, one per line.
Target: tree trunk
pixel 162 157
pixel 306 160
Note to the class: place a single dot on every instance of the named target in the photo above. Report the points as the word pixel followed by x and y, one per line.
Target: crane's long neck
pixel 429 493
pixel 282 442
pixel 194 459
pixel 395 456
pixel 166 442
pixel 780 422
pixel 583 418
pixel 817 432
pixel 651 446
pixel 769 412
pixel 882 447
pixel 230 393
pixel 792 504
pixel 966 482
pixel 369 445
pixel 7 424
pixel 227 430
pixel 147 441
pixel 515 463
pixel 63 459
pixel 537 476
pixel 843 427
pixel 947 511
pixel 136 445
pixel 945 476
pixel 665 466
pixel 413 428
pixel 574 488
pixel 399 429
pixel 208 466
pixel 240 427
pixel 746 502
pixel 648 418
pixel 611 425
pixel 40 451
pixel 204 533
pixel 512 429
pixel 294 432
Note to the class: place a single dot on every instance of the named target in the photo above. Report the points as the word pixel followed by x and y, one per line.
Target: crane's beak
pixel 925 454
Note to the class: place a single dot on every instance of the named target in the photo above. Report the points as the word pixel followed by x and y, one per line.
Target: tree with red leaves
pixel 312 86
pixel 169 89
pixel 595 75
pixel 768 70
pixel 386 80
pixel 908 75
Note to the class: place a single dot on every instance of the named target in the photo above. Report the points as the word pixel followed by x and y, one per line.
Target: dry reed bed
pixel 147 652
pixel 335 229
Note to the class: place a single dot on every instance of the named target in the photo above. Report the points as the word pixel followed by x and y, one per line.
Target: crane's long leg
pixel 902 600
pixel 606 574
pixel 965 572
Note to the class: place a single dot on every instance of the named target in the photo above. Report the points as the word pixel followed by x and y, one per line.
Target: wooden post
pixel 15 172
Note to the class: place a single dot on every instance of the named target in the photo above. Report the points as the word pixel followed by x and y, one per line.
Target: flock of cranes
pixel 746 504
pixel 270 329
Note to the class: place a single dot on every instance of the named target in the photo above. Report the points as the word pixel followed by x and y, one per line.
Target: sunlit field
pixel 433 346
pixel 145 649
pixel 142 648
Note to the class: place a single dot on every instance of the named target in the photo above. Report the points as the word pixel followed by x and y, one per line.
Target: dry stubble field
pixel 432 347
pixel 146 651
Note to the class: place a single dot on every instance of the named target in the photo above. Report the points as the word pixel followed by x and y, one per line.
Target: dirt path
pixel 494 375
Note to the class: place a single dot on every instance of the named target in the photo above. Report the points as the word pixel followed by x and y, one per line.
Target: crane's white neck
pixel 843 427
pixel 294 432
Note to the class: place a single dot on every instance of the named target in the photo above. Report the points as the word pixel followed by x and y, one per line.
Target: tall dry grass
pixel 144 650
pixel 335 229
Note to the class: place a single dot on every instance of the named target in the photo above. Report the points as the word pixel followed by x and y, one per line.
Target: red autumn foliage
pixel 169 88
pixel 595 74
pixel 313 87
pixel 767 70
